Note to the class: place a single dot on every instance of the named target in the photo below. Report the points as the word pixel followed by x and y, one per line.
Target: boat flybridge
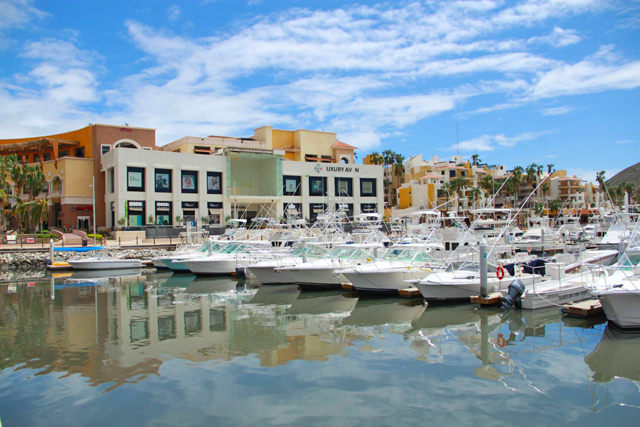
pixel 232 255
pixel 490 222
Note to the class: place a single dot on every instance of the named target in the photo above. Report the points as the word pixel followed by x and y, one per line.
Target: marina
pixel 201 350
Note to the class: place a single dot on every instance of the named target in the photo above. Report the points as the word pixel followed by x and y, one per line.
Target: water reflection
pixel 117 331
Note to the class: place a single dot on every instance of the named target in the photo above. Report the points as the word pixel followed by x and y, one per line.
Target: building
pixel 70 161
pixel 212 177
pixel 425 182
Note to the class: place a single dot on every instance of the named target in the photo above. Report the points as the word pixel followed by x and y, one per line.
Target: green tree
pixel 475 159
pixel 458 184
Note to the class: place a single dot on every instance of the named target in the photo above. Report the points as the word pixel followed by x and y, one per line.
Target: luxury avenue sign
pixel 347 169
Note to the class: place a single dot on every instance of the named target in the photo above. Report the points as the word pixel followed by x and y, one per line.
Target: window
pixel 135 179
pixel 318 186
pixel 452 173
pixel 291 185
pixel 36 158
pixel 344 187
pixel 368 207
pixel 46 157
pixel 112 180
pixel 368 187
pixel 104 149
pixel 163 213
pixel 62 154
pixel 163 180
pixel 136 212
pixel 79 152
pixel 316 209
pixel 189 181
pixel 463 174
pixel 347 208
pixel 214 182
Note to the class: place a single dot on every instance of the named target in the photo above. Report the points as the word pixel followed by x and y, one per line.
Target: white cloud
pixel 492 142
pixel 625 141
pixel 18 14
pixel 558 38
pixel 556 111
pixel 173 13
pixel 596 73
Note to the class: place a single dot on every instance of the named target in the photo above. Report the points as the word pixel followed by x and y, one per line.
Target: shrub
pixel 98 236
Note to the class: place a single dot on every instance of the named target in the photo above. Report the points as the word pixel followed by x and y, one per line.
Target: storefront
pixel 163 213
pixel 135 213
pixel 216 211
pixel 189 213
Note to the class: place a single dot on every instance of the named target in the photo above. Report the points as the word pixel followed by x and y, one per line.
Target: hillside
pixel 630 174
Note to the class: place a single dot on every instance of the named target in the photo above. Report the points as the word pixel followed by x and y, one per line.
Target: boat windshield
pixel 349 253
pixel 407 255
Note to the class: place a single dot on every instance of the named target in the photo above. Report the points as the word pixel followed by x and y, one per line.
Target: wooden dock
pixel 493 298
pixel 411 292
pixel 584 309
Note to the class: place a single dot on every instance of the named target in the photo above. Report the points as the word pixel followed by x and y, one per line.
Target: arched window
pixel 126 143
pixel 345 160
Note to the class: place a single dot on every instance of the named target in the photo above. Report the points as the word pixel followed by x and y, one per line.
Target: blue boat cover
pixel 81 249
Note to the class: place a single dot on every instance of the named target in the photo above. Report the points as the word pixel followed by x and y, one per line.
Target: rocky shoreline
pixel 36 260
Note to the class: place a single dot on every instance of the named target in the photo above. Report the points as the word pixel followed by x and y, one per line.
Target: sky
pixel 544 81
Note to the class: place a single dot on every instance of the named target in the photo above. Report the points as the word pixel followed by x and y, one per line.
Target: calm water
pixel 177 350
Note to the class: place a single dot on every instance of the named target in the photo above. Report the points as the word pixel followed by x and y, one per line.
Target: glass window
pixel 112 180
pixel 62 154
pixel 291 185
pixel 163 213
pixel 105 149
pixel 46 156
pixel 189 181
pixel 79 152
pixel 318 186
pixel 368 207
pixel 347 208
pixel 214 182
pixel 344 187
pixel 135 179
pixel 163 180
pixel 368 187
pixel 316 209
pixel 36 158
pixel 452 174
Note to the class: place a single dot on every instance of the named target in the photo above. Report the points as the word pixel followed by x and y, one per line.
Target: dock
pixel 493 298
pixel 584 309
pixel 411 292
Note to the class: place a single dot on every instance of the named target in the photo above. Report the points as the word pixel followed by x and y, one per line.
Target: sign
pixel 135 179
pixel 214 205
pixel 347 169
pixel 189 205
pixel 82 208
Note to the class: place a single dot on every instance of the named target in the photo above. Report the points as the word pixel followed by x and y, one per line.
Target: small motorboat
pixel 103 262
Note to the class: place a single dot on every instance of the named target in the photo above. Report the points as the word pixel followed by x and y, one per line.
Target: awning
pixel 135 206
pixel 163 206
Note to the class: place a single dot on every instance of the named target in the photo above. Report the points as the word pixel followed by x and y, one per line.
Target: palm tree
pixel 487 183
pixel 37 210
pixel 550 168
pixel 475 159
pixel 399 165
pixel 516 182
pixel 446 188
pixel 475 194
pixel 458 184
pixel 376 158
pixel 34 179
pixel 388 156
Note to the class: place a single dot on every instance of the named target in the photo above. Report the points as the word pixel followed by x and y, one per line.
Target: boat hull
pixel 621 308
pixel 105 264
pixel 270 275
pixel 208 267
pixel 384 281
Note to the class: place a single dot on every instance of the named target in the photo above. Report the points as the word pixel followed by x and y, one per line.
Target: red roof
pixel 339 144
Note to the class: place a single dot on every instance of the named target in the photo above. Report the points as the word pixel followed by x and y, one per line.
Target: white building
pixel 233 182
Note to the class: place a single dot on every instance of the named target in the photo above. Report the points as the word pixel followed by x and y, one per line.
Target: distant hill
pixel 630 174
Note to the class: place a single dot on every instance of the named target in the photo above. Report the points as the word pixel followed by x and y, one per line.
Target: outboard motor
pixel 516 290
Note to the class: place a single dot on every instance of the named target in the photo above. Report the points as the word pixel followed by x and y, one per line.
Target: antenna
pixel 457 140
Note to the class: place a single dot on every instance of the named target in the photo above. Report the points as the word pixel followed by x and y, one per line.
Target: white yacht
pixel 401 262
pixel 271 271
pixel 233 255
pixel 320 272
pixel 103 262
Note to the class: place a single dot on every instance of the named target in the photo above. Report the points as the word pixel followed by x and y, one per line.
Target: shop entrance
pixel 83 222
pixel 190 217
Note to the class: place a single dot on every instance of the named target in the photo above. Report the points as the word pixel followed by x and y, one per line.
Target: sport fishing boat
pixel 320 273
pixel 232 256
pixel 102 261
pixel 401 262
pixel 271 271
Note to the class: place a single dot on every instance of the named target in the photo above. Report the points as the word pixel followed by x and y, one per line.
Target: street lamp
pixel 93 188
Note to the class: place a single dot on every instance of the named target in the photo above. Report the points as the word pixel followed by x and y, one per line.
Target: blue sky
pixel 542 81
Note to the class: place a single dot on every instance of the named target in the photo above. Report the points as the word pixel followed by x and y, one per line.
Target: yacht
pixel 102 261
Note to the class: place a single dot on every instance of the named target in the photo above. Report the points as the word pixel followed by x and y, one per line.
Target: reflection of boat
pixel 276 294
pixel 203 285
pixel 99 274
pixel 615 356
pixel 322 302
pixel 370 312
pixel 436 317
pixel 179 281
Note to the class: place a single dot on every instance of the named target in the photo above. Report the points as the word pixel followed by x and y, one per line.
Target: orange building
pixel 70 161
